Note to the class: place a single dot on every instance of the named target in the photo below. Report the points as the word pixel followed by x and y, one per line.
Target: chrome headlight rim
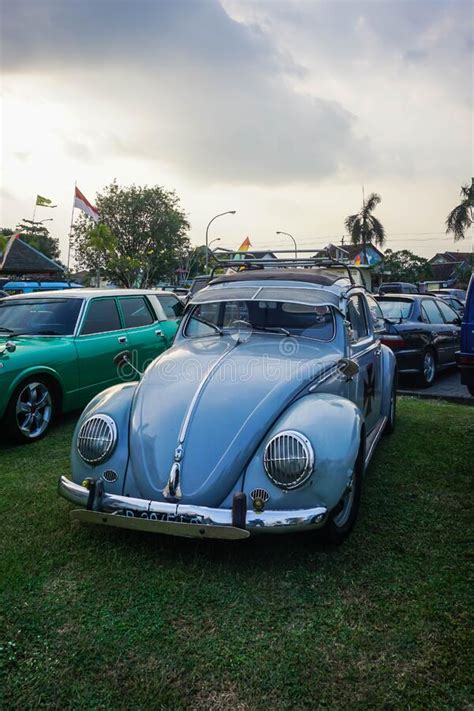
pixel 308 451
pixel 94 425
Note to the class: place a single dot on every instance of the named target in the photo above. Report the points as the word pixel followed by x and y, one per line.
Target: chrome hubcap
pixel 347 501
pixel 428 367
pixel 33 410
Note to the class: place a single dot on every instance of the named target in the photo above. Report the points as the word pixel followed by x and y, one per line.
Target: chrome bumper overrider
pixel 192 521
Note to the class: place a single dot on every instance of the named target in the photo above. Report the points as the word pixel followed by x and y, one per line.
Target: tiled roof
pixel 21 258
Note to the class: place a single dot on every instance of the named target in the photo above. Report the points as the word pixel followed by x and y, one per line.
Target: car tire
pixel 390 424
pixel 342 518
pixel 30 410
pixel 427 372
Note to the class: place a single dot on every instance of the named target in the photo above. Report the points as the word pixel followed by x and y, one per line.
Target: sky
pixel 281 110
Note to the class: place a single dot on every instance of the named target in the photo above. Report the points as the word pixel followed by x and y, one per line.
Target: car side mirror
pixel 349 368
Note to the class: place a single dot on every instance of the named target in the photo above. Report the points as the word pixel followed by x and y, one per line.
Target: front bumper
pixel 183 519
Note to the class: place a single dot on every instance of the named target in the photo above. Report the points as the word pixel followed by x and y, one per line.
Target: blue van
pixel 28 287
pixel 465 357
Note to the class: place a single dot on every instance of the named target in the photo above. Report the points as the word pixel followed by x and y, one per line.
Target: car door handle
pixel 158 332
pixel 122 339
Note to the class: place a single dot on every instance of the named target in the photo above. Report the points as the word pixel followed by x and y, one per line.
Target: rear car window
pixel 172 306
pixel 395 309
pixel 135 311
pixel 430 311
pixel 102 316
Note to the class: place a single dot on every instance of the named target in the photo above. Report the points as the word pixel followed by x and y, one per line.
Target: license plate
pixel 169 517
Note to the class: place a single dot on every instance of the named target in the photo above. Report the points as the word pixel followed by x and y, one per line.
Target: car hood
pixel 216 399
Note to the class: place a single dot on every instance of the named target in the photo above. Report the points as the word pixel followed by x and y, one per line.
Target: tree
pixel 140 240
pixel 461 217
pixel 406 266
pixel 363 227
pixel 37 235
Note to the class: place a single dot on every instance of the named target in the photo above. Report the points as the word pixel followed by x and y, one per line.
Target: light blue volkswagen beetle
pixel 261 418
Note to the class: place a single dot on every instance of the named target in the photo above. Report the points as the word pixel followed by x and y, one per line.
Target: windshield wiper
pixel 272 329
pixel 7 330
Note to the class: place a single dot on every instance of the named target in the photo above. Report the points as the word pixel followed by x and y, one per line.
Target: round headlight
pixel 288 459
pixel 96 439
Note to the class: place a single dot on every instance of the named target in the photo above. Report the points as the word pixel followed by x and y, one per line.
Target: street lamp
pixel 229 212
pixel 217 239
pixel 294 241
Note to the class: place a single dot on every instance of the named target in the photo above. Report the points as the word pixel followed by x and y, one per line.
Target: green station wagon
pixel 57 349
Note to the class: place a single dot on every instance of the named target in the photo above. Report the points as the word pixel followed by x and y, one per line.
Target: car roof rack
pixel 247 261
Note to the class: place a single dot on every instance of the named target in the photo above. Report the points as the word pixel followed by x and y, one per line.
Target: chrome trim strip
pixel 373 437
pixel 269 521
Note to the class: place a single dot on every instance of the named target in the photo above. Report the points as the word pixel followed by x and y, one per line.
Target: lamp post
pixel 228 212
pixel 217 239
pixel 294 241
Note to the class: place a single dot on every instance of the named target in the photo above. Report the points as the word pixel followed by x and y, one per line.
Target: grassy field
pixel 101 619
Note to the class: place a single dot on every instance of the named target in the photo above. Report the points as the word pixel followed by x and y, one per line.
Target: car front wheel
pixel 343 517
pixel 30 411
pixel 428 369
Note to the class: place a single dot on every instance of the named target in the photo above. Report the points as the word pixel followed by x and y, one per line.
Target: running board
pixel 372 439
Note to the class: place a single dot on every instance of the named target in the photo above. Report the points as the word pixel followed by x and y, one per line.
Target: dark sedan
pixel 423 332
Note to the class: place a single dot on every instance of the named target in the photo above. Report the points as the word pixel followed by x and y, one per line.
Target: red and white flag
pixel 83 204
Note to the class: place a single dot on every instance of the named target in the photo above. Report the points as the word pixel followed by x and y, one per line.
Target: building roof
pixel 350 250
pixel 20 258
pixel 454 257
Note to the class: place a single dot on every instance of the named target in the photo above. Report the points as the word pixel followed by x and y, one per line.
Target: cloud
pixel 199 91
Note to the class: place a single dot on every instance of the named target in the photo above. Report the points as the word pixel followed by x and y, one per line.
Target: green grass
pixel 102 619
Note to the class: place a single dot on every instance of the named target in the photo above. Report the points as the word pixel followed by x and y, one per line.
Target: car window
pixel 102 316
pixel 357 318
pixel 376 313
pixel 299 319
pixel 135 311
pixel 395 309
pixel 235 311
pixel 172 306
pixel 49 317
pixel 430 312
pixel 449 314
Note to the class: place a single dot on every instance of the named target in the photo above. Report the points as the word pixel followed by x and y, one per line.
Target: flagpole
pixel 70 228
pixel 34 211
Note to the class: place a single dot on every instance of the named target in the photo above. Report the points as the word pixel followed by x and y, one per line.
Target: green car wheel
pixel 30 410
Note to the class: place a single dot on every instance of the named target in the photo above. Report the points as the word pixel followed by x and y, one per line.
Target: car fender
pixel 25 373
pixel 115 402
pixel 334 426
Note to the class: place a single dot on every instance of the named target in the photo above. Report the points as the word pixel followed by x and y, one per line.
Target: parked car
pixel 456 293
pixel 423 332
pixel 57 349
pixel 30 287
pixel 453 301
pixel 398 287
pixel 261 418
pixel 465 356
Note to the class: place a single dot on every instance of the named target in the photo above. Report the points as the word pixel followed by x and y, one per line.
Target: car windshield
pixel 395 309
pixel 40 317
pixel 283 318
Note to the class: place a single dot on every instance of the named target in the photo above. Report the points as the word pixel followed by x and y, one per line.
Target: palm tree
pixel 461 217
pixel 363 227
